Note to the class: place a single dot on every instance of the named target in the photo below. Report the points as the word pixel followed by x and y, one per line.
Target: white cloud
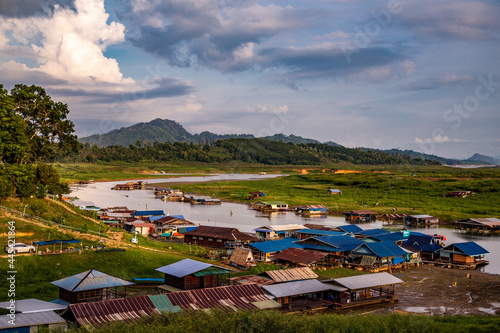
pixel 69 45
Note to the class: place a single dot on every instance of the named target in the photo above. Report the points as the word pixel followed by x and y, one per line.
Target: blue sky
pixel 421 75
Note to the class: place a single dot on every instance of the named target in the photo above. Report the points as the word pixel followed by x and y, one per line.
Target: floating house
pixel 201 200
pixel 270 232
pixel 420 220
pixel 426 247
pixel 479 225
pixel 363 290
pixel 380 254
pixel 190 274
pixel 300 295
pixel 311 210
pixel 217 237
pixel 466 253
pixel 349 228
pixel 242 257
pixel 90 286
pixel 256 194
pixel 271 206
pixel 394 217
pixel 360 216
pixel 334 191
pixel 145 214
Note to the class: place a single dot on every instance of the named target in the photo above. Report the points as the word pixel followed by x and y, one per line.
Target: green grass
pixel 418 191
pixel 276 322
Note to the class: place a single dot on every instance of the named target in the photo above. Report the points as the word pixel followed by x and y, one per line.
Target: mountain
pixel 484 159
pixel 416 154
pixel 164 130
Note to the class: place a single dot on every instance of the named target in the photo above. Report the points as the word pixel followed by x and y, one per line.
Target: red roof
pixel 300 256
pixel 221 233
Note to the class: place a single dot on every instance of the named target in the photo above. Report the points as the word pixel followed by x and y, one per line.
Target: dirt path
pixel 73 211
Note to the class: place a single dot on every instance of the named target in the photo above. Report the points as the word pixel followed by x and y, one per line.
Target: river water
pixel 245 219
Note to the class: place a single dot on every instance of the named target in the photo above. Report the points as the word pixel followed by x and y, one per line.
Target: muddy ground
pixel 443 291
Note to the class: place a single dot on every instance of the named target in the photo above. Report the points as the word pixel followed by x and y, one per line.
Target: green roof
pixel 163 304
pixel 211 271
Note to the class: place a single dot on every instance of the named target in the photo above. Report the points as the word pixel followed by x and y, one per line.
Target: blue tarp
pixel 397 260
pixel 57 241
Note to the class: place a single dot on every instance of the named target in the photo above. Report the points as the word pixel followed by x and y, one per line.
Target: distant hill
pixel 416 154
pixel 483 159
pixel 164 130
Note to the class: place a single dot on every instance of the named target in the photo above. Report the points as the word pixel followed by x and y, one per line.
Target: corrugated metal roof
pixel 186 267
pixel 292 274
pixel 469 248
pixel 300 256
pixel 321 232
pixel 276 246
pixel 365 211
pixel 90 280
pixel 296 288
pixel 247 279
pixel 367 280
pixel 380 249
pixel 373 232
pixel 391 237
pixel 149 213
pixel 283 227
pixel 423 216
pixel 344 243
pixel 33 305
pixel 490 221
pixel 122 309
pixel 31 319
pixel 352 228
pixel 230 234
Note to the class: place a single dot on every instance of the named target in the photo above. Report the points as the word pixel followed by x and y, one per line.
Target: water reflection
pixel 246 219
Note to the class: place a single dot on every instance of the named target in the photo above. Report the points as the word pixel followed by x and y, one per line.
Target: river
pixel 245 219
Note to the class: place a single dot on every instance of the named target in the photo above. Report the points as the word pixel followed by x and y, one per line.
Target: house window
pixel 219 240
pixel 200 238
pixel 89 294
pixel 211 239
pixel 194 237
pixel 191 280
pixel 209 279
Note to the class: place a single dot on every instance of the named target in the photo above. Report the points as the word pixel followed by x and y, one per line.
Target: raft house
pixel 479 225
pixel 270 206
pixel 360 216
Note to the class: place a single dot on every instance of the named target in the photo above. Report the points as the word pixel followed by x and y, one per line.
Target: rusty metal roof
pixel 249 297
pixel 221 233
pixel 247 279
pixel 292 274
pixel 122 309
pixel 90 280
pixel 300 256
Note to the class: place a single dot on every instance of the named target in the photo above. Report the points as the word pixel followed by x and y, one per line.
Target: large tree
pixel 48 131
pixel 13 138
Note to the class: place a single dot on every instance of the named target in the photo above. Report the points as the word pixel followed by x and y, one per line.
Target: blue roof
pixel 352 228
pixel 373 232
pixel 321 232
pixel 90 280
pixel 276 246
pixel 422 242
pixel 470 248
pixel 347 243
pixel 319 247
pixel 149 213
pixel 381 249
pixel 157 217
pixel 391 237
pixel 186 267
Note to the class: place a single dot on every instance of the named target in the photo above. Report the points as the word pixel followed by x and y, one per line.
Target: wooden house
pixel 379 254
pixel 360 216
pixel 426 247
pixel 420 220
pixel 242 257
pixel 256 194
pixel 90 286
pixel 479 225
pixel 271 206
pixel 217 237
pixel 311 210
pixel 301 257
pixel 334 191
pixel 190 274
pixel 143 229
pixel 124 187
pixel 466 253
pixel 280 231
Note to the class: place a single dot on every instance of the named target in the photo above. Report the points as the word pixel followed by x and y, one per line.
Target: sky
pixel 421 75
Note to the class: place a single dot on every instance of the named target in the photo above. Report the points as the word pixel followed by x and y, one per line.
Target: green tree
pixel 49 132
pixel 13 139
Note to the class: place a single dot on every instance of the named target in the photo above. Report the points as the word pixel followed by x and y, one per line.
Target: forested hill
pixel 243 150
pixel 164 130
